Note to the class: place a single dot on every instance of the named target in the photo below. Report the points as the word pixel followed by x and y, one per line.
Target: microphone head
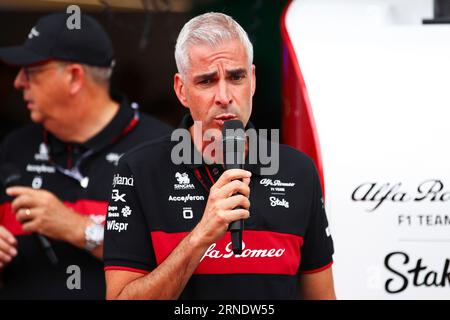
pixel 233 129
pixel 233 141
pixel 9 175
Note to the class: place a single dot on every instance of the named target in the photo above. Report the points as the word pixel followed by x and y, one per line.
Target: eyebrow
pixel 236 72
pixel 230 73
pixel 205 76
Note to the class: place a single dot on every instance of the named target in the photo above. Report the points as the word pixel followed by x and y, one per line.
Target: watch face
pixel 95 232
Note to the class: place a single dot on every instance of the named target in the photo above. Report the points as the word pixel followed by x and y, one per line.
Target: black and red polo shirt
pixel 48 163
pixel 155 203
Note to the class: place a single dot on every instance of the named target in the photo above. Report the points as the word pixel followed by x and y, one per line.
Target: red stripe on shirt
pixel 87 207
pixel 83 206
pixel 264 252
pixel 125 269
pixel 318 269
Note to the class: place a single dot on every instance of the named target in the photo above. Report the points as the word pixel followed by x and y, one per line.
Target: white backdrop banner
pixel 378 84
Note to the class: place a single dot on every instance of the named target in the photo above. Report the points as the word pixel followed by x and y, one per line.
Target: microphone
pixel 10 176
pixel 233 140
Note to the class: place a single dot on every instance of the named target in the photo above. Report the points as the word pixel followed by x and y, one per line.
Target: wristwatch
pixel 93 235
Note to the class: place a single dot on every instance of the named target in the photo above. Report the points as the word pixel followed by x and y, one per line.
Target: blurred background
pixel 144 33
pixel 361 86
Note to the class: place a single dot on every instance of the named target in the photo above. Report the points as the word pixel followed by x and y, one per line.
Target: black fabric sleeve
pixel 317 248
pixel 127 242
pixel 3 197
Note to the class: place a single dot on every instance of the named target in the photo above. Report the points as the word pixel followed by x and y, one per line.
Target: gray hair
pixel 100 75
pixel 209 28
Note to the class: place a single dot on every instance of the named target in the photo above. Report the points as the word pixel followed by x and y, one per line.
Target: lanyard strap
pixel 74 172
pixel 199 177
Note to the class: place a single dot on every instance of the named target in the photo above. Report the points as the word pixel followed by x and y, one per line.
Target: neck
pixel 201 145
pixel 90 114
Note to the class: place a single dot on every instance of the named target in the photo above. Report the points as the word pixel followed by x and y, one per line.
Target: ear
pixel 76 78
pixel 253 79
pixel 180 89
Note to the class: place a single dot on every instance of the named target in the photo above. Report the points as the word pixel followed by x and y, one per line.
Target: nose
pixel 20 82
pixel 223 96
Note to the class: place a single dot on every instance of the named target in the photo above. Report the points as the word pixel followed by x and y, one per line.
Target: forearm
pixel 318 286
pixel 168 280
pixel 98 252
pixel 77 237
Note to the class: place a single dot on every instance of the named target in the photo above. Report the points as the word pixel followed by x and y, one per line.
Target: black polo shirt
pixel 42 159
pixel 156 203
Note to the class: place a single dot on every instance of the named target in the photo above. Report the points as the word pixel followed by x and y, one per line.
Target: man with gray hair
pixel 173 243
pixel 59 169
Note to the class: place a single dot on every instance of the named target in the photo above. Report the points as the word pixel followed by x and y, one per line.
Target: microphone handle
pixel 14 179
pixel 236 227
pixel 47 247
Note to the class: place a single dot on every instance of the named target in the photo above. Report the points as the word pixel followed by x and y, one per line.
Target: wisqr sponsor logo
pixel 246 253
pixel 116 226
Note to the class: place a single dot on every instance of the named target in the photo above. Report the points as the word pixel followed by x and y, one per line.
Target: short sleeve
pixel 317 249
pixel 3 198
pixel 127 243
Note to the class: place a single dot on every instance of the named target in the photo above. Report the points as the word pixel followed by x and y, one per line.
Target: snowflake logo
pixel 126 211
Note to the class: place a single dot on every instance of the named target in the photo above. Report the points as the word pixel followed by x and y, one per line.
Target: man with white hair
pixel 175 243
pixel 59 169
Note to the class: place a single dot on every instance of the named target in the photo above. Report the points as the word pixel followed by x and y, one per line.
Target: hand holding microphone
pixel 233 139
pixel 227 202
pixel 25 200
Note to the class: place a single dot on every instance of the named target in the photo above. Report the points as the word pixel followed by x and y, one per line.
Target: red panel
pixel 264 252
pixel 9 219
pixel 298 126
pixel 318 269
pixel 88 207
pixel 125 269
pixel 85 207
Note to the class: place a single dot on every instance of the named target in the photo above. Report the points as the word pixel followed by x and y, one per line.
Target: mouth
pixel 221 118
pixel 30 104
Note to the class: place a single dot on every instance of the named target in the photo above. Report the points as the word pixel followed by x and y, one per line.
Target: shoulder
pixel 153 126
pixel 290 155
pixel 296 163
pixel 148 154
